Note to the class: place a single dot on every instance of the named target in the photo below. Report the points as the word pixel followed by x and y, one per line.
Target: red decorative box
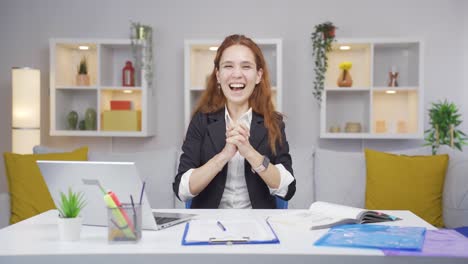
pixel 120 105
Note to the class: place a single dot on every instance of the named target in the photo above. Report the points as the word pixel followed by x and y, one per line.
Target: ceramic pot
pixel 82 80
pixel 81 125
pixel 90 119
pixel 344 80
pixel 69 228
pixel 72 120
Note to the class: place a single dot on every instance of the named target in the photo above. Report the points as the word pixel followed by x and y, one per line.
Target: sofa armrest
pixel 4 209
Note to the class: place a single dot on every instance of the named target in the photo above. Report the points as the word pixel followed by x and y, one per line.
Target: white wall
pixel 464 87
pixel 26 26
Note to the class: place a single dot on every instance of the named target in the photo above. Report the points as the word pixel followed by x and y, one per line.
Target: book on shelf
pixel 325 215
pixel 120 105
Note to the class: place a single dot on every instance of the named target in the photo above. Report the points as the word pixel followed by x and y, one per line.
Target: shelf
pixel 76 88
pixel 106 58
pixel 360 56
pixel 67 59
pixel 113 59
pixel 398 88
pixel 85 133
pixel 348 89
pixel 343 108
pixel 368 136
pixel 73 100
pixel 402 57
pixel 383 111
pixel 395 113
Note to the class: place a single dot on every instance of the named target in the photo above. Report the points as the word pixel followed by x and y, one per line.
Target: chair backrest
pixel 280 203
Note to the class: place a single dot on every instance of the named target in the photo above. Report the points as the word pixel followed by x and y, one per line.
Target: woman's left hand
pixel 239 136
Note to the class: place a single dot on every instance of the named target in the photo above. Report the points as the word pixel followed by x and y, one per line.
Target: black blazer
pixel 206 137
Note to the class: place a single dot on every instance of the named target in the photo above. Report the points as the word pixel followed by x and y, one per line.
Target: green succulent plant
pixel 83 66
pixel 322 39
pixel 71 204
pixel 444 120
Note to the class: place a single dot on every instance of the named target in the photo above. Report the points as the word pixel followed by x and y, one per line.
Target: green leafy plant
pixel 83 66
pixel 444 120
pixel 71 204
pixel 322 39
pixel 141 37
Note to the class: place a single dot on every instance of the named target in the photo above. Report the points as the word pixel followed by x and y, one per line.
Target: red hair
pixel 213 100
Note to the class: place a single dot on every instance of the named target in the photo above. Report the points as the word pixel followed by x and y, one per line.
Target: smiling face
pixel 238 75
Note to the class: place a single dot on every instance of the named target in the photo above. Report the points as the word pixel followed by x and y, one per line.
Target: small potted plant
pixel 444 120
pixel 70 220
pixel 82 78
pixel 322 39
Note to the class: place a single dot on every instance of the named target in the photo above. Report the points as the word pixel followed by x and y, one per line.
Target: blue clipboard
pixel 216 241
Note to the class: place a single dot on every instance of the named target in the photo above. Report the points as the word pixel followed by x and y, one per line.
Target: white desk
pixel 36 241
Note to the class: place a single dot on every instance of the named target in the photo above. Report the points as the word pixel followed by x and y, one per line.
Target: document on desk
pixel 325 215
pixel 242 231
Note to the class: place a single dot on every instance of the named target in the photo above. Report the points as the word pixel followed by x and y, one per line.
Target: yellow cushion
pixel 412 183
pixel 29 195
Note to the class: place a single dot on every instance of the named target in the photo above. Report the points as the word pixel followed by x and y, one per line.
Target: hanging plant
pixel 322 38
pixel 142 37
pixel 444 120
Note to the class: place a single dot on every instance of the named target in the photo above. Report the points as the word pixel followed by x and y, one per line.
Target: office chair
pixel 280 203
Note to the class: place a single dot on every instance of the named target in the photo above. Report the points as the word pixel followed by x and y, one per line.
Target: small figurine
pixel 393 75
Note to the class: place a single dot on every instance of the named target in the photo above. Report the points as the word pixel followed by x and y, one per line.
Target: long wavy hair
pixel 213 99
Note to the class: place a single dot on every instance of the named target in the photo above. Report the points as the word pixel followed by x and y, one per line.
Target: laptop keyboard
pixel 163 220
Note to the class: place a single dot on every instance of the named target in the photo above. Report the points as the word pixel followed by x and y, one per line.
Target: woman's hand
pixel 239 137
pixel 229 149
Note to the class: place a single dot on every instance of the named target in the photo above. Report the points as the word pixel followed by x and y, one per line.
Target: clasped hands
pixel 237 139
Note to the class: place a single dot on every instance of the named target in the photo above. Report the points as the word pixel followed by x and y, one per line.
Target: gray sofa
pixel 321 175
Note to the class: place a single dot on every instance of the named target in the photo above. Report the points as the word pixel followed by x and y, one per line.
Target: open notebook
pixel 324 215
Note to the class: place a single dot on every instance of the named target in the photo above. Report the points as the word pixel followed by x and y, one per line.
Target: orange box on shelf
pixel 120 105
pixel 121 120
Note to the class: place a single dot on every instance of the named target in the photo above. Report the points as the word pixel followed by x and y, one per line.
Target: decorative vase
pixel 344 80
pixel 353 127
pixel 90 119
pixel 72 120
pixel 81 125
pixel 82 80
pixel 69 228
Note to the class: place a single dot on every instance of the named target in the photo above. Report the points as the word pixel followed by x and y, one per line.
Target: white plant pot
pixel 69 228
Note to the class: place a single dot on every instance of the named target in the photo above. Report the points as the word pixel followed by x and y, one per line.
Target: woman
pixel 235 154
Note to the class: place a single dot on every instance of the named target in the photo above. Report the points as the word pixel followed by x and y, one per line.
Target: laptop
pixel 120 177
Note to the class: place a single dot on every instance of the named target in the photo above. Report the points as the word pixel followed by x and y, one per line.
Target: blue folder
pixel 374 236
pixel 231 241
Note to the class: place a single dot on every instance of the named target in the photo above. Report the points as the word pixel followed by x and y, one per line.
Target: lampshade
pixel 26 112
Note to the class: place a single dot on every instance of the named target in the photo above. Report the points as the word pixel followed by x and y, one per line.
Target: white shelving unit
pixel 383 112
pixel 198 61
pixel 105 60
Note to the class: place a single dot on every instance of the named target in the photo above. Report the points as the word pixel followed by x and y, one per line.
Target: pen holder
pixel 124 223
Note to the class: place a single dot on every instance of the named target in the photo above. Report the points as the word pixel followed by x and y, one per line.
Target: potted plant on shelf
pixel 141 37
pixel 82 78
pixel 444 120
pixel 322 39
pixel 69 222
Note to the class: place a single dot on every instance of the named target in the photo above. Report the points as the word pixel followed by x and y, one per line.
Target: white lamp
pixel 26 114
